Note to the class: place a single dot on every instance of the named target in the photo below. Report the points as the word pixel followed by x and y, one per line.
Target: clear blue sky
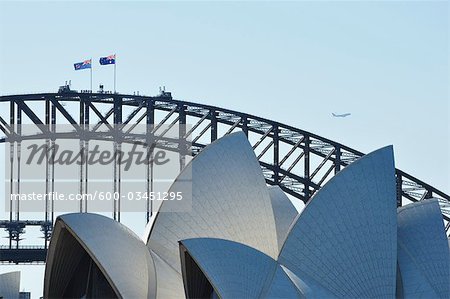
pixel 295 62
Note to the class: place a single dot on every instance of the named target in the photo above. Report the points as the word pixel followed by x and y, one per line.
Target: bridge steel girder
pixel 300 180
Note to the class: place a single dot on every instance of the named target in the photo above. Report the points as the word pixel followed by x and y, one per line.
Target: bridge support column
pixel 82 154
pixel 150 120
pixel 306 168
pixel 245 125
pixel 52 169
pixel 12 150
pixel 181 135
pixel 19 149
pixel 86 147
pixel 47 174
pixel 213 116
pixel 399 180
pixel 276 155
pixel 117 149
pixel 337 161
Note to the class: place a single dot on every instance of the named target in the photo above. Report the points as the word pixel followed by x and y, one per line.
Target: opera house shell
pixel 10 285
pixel 243 239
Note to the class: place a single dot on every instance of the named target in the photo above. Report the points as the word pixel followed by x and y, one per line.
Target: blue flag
pixel 111 59
pixel 83 65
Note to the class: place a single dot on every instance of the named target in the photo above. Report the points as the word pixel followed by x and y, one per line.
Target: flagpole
pixel 91 74
pixel 115 62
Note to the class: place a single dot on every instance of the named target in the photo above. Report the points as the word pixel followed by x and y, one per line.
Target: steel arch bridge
pixel 299 162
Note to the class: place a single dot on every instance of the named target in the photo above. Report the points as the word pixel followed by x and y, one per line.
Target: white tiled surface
pixel 10 285
pixel 343 245
pixel 308 287
pixel 281 287
pixel 284 212
pixel 423 251
pixel 233 269
pixel 346 237
pixel 169 283
pixel 230 201
pixel 118 252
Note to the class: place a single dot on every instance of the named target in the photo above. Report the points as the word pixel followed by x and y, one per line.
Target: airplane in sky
pixel 341 115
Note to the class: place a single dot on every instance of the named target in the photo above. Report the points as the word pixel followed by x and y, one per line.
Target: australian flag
pixel 83 65
pixel 111 59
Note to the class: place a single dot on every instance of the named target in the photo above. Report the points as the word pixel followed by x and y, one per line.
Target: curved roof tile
pixel 10 285
pixel 284 212
pixel 109 244
pixel 346 237
pixel 423 251
pixel 230 201
pixel 233 269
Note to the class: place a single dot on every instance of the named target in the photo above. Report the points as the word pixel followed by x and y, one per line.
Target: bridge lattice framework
pixel 299 162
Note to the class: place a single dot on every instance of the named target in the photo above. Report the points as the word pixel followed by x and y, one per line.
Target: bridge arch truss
pixel 298 161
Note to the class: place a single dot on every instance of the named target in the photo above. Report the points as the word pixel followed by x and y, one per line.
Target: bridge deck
pixel 23 254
